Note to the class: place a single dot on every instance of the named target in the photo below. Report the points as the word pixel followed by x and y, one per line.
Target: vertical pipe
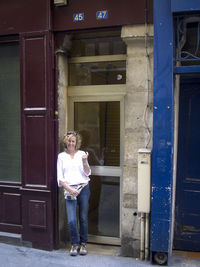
pixel 147 236
pixel 142 236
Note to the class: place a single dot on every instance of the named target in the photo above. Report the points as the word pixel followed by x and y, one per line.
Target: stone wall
pixel 138 126
pixel 62 112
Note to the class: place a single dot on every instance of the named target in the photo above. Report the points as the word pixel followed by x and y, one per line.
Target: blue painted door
pixel 187 207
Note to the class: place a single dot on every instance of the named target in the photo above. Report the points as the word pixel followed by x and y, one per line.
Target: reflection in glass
pixel 104 206
pixel 98 46
pixel 97 73
pixel 10 128
pixel 99 125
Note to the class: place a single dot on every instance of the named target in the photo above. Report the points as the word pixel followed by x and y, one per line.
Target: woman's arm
pixel 59 170
pixel 86 166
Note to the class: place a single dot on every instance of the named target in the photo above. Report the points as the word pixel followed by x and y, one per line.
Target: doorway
pixel 95 93
pixel 187 208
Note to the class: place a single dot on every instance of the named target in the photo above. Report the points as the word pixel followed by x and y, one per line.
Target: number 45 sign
pixel 78 17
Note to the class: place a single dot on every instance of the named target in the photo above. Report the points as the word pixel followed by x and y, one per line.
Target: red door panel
pixel 34 71
pixel 35 152
pixel 10 212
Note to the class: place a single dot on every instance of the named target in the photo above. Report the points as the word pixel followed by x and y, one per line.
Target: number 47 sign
pixel 102 14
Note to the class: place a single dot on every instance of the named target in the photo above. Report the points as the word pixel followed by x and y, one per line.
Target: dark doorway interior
pixel 187 207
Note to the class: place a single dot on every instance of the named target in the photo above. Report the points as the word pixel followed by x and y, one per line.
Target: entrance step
pixel 104 249
pixel 101 249
pixel 186 254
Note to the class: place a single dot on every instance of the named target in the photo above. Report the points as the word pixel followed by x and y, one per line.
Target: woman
pixel 73 173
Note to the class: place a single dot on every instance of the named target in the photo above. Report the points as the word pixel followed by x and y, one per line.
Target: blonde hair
pixel 69 135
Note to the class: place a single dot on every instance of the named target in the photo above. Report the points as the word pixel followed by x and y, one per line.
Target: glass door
pixel 99 125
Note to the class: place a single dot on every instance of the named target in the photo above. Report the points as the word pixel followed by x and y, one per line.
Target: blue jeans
pixel 71 205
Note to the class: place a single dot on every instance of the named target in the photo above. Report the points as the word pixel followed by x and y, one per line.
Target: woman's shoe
pixel 74 250
pixel 83 249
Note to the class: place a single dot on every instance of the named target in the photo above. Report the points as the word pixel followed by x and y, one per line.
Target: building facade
pixel 77 65
pixel 86 66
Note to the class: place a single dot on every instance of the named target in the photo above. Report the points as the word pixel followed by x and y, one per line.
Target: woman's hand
pixel 73 191
pixel 85 158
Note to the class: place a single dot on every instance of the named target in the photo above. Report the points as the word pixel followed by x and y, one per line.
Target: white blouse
pixel 70 170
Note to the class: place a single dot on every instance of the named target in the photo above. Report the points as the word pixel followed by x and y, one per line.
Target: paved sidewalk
pixel 17 256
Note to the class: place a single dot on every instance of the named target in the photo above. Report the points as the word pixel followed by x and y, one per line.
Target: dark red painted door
pixel 38 183
pixel 187 221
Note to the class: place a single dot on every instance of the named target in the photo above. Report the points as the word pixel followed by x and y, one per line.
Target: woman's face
pixel 71 144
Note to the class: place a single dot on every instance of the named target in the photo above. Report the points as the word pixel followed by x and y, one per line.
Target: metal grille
pixel 187 40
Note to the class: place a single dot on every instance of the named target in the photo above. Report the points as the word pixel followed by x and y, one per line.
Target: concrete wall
pixel 138 126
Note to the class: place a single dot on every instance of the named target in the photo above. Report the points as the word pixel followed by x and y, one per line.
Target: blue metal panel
pixel 187 69
pixel 185 5
pixel 162 164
